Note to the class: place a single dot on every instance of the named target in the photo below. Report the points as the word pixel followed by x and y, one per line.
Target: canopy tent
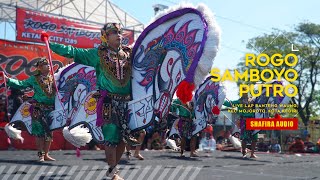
pixel 95 12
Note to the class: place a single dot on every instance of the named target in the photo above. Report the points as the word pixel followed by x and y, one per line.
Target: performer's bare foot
pixel 138 156
pixel 41 156
pixel 244 154
pixel 111 173
pixel 253 156
pixel 117 177
pixel 193 155
pixel 128 155
pixel 41 159
pixel 48 158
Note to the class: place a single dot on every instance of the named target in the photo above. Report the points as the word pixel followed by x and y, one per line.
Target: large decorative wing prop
pixel 23 115
pixel 74 83
pixel 208 100
pixel 87 114
pixel 178 46
pixel 3 93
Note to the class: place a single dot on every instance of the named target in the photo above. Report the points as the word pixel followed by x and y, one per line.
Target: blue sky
pixel 239 21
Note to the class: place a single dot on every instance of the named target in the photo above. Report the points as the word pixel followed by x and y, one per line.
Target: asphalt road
pixel 161 165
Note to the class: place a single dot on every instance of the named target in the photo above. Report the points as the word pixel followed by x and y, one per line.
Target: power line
pixel 232 48
pixel 244 24
pixel 230 19
pixel 171 2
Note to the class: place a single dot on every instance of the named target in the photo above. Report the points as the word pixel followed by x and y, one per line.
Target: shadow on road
pixel 244 159
pixel 29 162
pixel 177 157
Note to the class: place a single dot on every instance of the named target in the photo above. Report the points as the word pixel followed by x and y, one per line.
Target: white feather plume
pixel 57 74
pixel 235 141
pixel 77 136
pixel 172 144
pixel 13 132
pixel 211 47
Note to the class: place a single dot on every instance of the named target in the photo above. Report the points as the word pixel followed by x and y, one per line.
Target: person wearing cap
pixel 113 65
pixel 246 136
pixel 41 105
pixel 185 125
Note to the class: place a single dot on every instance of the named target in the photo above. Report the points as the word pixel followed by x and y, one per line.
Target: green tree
pixel 305 38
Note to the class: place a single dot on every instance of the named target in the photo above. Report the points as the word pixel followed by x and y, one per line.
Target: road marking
pixel 259 174
pixel 36 177
pixel 30 171
pixel 124 171
pixel 50 172
pixel 22 168
pixel 60 172
pixel 81 172
pixel 184 174
pixel 164 173
pixel 175 172
pixel 93 170
pixel 9 172
pixel 144 172
pixel 2 168
pixel 101 174
pixel 154 172
pixel 195 173
pixel 134 172
pixel 71 172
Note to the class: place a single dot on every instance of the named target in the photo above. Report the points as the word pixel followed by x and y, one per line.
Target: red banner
pixel 272 123
pixel 18 59
pixel 30 24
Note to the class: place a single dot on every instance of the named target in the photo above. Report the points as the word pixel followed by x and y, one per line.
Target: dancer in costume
pixel 42 104
pixel 185 125
pixel 112 63
pixel 140 136
pixel 245 135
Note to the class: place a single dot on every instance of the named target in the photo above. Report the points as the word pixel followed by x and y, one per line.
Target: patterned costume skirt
pixel 112 112
pixel 186 127
pixel 246 135
pixel 40 120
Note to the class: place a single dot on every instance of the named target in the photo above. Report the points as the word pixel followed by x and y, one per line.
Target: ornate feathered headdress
pixel 107 28
pixel 42 61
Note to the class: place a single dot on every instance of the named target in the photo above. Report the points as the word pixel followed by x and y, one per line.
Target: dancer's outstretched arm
pixel 87 57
